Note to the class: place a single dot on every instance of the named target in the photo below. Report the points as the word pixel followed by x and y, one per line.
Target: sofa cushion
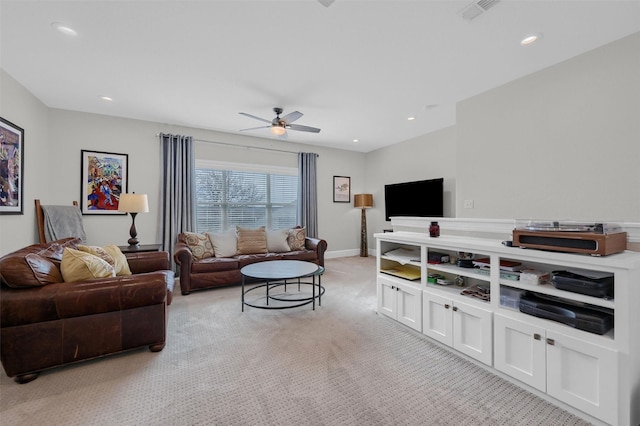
pixel 277 240
pixel 247 259
pixel 199 244
pixel 121 265
pixel 306 255
pixel 78 266
pixel 214 264
pixel 296 238
pixel 225 244
pixel 251 241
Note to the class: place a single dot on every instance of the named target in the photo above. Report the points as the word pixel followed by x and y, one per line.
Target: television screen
pixel 423 198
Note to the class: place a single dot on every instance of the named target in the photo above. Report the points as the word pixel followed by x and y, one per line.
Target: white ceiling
pixel 356 69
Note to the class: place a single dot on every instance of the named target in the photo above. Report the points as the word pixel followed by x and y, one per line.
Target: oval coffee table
pixel 275 273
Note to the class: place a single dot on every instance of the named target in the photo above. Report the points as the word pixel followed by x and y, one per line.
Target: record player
pixel 598 239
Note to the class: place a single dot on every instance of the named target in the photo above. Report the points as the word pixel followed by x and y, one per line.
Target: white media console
pixel 595 376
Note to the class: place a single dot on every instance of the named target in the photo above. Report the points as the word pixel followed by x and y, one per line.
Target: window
pixel 230 194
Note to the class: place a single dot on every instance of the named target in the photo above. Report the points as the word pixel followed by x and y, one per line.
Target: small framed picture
pixel 11 168
pixel 104 177
pixel 341 189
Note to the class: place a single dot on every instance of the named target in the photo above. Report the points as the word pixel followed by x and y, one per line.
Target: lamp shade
pixel 363 201
pixel 133 203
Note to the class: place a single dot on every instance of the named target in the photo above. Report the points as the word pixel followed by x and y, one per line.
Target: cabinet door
pixel 583 375
pixel 387 297
pixel 473 331
pixel 437 321
pixel 410 307
pixel 520 351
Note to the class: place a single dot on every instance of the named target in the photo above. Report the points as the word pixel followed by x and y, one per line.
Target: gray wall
pixel 562 143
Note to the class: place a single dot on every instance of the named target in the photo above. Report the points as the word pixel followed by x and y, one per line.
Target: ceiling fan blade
pixel 255 128
pixel 303 128
pixel 292 116
pixel 254 117
pixel 326 3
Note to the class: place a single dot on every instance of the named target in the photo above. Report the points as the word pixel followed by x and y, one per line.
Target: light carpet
pixel 341 364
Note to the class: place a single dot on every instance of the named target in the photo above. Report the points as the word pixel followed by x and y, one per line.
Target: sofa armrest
pixel 317 245
pixel 148 261
pixel 183 257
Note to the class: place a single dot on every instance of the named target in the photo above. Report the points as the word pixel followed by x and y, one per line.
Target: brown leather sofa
pixel 46 323
pixel 214 272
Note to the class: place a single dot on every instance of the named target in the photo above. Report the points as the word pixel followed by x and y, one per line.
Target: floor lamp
pixel 363 201
pixel 133 204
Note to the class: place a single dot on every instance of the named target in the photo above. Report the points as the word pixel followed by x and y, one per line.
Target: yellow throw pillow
pixel 121 265
pixel 77 265
pixel 252 241
pixel 98 251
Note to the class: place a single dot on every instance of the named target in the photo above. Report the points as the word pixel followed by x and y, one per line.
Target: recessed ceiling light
pixel 64 29
pixel 530 39
pixel 106 98
pixel 411 118
pixel 356 140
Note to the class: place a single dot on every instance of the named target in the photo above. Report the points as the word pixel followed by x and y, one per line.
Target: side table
pixel 140 248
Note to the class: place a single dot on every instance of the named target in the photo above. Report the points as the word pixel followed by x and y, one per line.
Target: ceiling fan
pixel 279 125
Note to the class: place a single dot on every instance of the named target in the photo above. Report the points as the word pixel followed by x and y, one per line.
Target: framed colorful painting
pixel 104 178
pixel 11 168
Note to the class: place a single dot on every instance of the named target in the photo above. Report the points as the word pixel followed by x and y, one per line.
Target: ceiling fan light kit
pixel 279 125
pixel 278 130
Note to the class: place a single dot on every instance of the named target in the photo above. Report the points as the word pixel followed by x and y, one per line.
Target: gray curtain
pixel 307 215
pixel 178 189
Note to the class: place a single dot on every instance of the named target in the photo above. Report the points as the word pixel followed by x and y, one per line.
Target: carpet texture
pixel 341 364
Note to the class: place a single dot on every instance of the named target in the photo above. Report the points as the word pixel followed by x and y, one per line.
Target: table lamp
pixel 363 201
pixel 133 204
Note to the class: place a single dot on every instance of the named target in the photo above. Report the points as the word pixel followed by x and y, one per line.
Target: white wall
pixel 54 139
pixel 21 108
pixel 562 143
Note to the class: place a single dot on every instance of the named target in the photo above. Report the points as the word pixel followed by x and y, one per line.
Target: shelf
pixel 395 260
pixel 456 270
pixel 550 290
pixel 406 272
pixel 453 291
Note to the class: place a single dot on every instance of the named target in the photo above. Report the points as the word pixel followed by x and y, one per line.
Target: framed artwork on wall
pixel 104 176
pixel 11 168
pixel 341 189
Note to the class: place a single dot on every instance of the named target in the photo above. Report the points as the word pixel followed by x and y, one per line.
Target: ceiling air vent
pixel 477 8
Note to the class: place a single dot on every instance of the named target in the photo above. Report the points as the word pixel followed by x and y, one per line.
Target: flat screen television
pixel 422 198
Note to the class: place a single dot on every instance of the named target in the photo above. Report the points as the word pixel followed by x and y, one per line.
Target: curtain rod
pixel 245 146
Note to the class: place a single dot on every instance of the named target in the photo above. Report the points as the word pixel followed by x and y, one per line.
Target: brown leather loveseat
pixel 201 271
pixel 46 322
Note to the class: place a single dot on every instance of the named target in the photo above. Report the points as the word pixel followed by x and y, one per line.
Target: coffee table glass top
pixel 279 269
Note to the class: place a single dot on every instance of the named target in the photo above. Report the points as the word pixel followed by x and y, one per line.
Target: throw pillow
pixel 224 243
pixel 199 244
pixel 277 241
pixel 98 251
pixel 296 238
pixel 44 270
pixel 121 265
pixel 78 266
pixel 252 241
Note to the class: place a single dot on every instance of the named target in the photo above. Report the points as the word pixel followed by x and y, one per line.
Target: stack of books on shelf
pixel 509 269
